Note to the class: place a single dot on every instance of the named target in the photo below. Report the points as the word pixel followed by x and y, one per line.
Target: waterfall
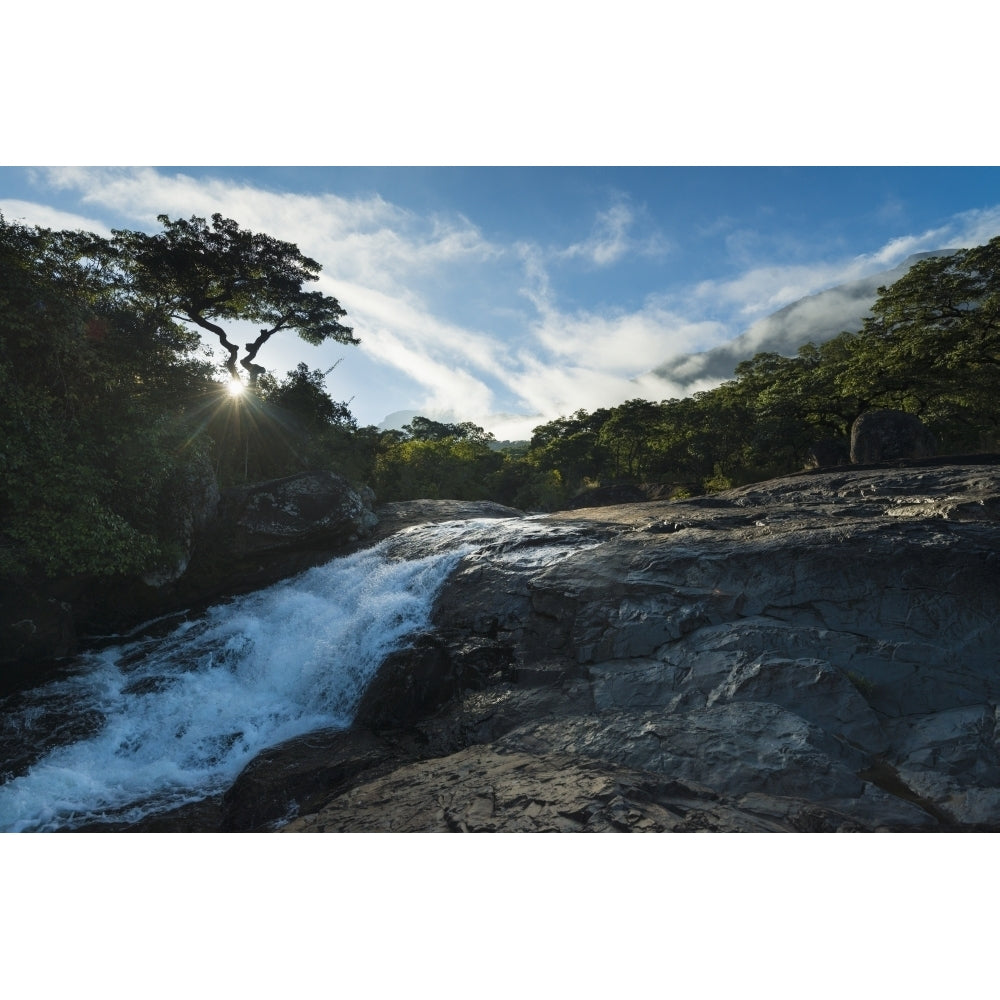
pixel 163 720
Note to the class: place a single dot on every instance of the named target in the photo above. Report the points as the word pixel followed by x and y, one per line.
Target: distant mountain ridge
pixel 814 318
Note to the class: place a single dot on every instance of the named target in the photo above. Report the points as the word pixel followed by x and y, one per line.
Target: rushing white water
pixel 157 722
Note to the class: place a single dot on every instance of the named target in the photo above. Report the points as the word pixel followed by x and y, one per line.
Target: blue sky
pixel 510 296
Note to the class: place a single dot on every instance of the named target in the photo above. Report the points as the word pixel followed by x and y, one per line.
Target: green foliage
pixel 931 347
pixel 202 273
pixel 631 438
pixel 92 427
pixel 570 446
pixel 108 405
pixel 282 427
pixel 425 429
pixel 303 395
pixel 436 461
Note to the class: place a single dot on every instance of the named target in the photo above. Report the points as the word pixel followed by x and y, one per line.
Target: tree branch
pixel 252 348
pixel 223 339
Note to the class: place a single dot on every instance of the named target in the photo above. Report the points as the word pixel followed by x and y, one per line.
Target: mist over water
pixel 160 721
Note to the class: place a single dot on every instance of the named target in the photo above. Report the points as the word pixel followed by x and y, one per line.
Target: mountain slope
pixel 815 318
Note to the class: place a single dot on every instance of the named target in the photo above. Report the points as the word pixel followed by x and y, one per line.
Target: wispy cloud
pixel 612 239
pixel 761 289
pixel 975 227
pixel 34 214
pixel 608 242
pixel 366 240
pixel 619 343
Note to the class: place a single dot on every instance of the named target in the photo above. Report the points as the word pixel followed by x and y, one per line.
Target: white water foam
pixel 176 718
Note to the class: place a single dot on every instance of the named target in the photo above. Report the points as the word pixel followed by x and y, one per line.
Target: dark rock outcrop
pixel 393 517
pixel 34 626
pixel 424 677
pixel 619 493
pixel 814 653
pixel 888 435
pixel 311 509
pixel 268 531
pixel 605 496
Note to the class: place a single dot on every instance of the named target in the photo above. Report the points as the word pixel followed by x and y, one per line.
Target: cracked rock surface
pixel 818 652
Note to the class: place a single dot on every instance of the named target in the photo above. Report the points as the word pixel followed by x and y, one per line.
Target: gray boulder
pixel 888 435
pixel 306 510
pixel 269 531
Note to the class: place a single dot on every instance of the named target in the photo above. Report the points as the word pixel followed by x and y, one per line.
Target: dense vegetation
pixel 931 347
pixel 110 405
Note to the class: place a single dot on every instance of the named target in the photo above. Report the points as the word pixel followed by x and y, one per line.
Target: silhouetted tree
pixel 206 274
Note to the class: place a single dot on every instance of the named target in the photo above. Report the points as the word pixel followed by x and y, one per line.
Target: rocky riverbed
pixel 818 653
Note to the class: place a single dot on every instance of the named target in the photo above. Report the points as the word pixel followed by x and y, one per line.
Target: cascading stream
pixel 154 723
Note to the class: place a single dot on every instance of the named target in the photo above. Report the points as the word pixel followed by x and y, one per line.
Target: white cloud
pixel 975 227
pixel 610 240
pixel 760 290
pixel 449 388
pixel 898 249
pixel 763 289
pixel 374 311
pixel 622 343
pixel 365 240
pixel 550 390
pixel 33 214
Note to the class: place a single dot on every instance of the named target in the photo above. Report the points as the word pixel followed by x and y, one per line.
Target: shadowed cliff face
pixel 819 652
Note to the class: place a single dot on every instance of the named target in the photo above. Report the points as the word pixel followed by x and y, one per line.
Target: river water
pixel 174 713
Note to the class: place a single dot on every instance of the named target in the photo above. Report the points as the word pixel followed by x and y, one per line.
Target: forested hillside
pixel 930 348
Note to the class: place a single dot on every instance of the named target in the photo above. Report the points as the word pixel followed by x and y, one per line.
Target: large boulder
pixel 888 435
pixel 305 510
pixel 269 531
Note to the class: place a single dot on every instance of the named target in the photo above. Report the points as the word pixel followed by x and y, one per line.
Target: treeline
pixel 931 347
pixel 111 408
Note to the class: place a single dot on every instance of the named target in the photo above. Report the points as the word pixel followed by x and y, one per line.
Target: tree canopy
pixel 110 403
pixel 91 428
pixel 206 274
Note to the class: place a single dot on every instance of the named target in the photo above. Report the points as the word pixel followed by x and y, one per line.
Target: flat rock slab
pixel 818 652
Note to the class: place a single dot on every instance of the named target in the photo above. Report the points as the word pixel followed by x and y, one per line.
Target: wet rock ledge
pixel 816 653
